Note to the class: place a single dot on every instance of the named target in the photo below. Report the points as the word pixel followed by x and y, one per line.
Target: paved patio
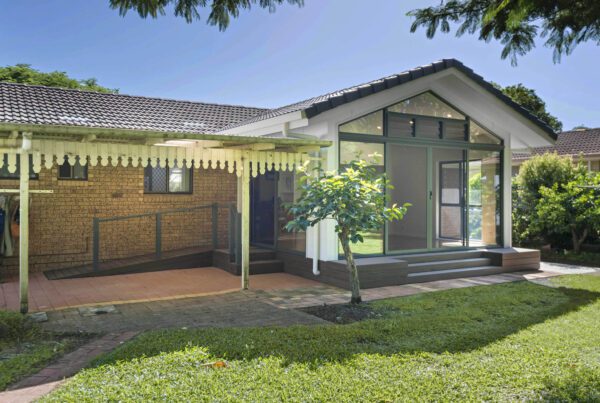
pixel 48 295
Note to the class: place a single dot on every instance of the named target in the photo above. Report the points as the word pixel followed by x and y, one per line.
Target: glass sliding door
pixel 408 172
pixel 484 224
pixel 448 198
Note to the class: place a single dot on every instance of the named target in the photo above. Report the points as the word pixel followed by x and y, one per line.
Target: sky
pixel 271 60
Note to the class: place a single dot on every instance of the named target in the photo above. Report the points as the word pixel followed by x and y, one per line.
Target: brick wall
pixel 61 223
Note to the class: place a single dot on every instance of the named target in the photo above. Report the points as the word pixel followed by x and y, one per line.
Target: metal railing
pixel 233 232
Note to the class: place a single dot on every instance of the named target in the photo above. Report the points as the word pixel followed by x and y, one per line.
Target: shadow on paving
pixel 458 320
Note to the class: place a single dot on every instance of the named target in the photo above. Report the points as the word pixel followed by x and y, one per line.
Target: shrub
pixel 541 171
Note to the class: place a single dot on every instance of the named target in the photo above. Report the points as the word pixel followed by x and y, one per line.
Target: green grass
pixel 517 341
pixel 25 348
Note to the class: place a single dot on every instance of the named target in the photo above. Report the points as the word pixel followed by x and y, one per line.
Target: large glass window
pixel 373 153
pixel 167 180
pixel 484 198
pixel 369 124
pixel 456 202
pixel 478 134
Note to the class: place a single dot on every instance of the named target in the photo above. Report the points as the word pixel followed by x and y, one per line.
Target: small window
pixel 5 174
pixel 479 135
pixel 369 124
pixel 77 171
pixel 167 180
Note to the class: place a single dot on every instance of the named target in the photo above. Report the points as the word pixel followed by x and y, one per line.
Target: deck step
pixel 421 277
pixel 448 264
pixel 440 256
pixel 260 267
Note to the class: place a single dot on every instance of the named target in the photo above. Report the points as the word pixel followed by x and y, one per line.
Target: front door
pixel 263 190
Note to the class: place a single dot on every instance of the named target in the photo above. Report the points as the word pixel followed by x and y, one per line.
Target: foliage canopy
pixel 516 23
pixel 221 11
pixel 25 74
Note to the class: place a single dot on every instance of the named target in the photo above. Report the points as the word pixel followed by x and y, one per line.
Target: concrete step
pixel 448 264
pixel 421 277
pixel 440 256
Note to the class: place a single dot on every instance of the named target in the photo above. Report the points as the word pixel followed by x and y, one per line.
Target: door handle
pixel 431 195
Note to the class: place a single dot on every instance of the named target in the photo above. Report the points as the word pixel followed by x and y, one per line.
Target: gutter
pixel 130 134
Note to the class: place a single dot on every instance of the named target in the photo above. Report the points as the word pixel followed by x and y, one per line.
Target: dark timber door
pixel 263 190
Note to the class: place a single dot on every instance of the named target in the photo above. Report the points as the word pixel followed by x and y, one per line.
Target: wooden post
pixel 24 224
pixel 245 222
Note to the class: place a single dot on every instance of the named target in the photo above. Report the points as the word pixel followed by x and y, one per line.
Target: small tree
pixel 355 198
pixel 572 208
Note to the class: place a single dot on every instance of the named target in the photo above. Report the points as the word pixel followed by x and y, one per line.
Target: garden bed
pixel 25 348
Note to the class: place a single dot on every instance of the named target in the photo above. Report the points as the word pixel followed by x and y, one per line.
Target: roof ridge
pixel 79 90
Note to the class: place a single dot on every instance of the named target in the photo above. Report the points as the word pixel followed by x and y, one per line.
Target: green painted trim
pixel 429 198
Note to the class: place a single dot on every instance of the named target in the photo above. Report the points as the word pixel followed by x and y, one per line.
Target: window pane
pixel 155 179
pixel 400 126
pixel 478 134
pixel 484 198
pixel 370 124
pixel 287 193
pixel 426 104
pixel 179 180
pixel 373 153
pixel 5 174
pixel 78 171
pixel 370 152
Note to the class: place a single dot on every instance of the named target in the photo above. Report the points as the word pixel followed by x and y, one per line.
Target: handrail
pixel 158 225
pixel 180 210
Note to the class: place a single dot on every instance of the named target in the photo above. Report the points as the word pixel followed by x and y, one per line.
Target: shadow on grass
pixel 447 321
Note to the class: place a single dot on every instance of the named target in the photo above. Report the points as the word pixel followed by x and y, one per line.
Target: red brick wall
pixel 61 222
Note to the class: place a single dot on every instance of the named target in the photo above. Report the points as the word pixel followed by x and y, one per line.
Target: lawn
pixel 25 348
pixel 516 341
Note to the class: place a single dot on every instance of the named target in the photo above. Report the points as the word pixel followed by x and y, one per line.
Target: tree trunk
pixel 578 241
pixel 352 270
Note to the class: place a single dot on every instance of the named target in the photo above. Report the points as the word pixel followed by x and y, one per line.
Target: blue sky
pixel 274 59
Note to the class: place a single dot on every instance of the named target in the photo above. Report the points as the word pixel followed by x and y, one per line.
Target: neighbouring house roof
pixel 32 104
pixel 313 106
pixel 38 105
pixel 571 143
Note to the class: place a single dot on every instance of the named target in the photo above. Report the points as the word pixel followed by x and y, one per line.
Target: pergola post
pixel 507 194
pixel 245 213
pixel 24 224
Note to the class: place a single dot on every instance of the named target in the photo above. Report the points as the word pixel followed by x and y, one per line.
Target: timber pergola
pixel 47 145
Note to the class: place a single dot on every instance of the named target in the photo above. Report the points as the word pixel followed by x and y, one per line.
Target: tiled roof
pixel 319 104
pixel 27 104
pixel 30 104
pixel 573 143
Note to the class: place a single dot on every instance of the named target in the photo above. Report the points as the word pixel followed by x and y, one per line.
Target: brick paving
pixel 47 295
pixel 50 377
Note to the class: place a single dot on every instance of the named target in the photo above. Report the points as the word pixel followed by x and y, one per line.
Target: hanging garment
pixel 7 243
pixel 15 229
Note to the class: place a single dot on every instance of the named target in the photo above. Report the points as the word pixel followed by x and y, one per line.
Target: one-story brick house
pixel 579 144
pixel 117 177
